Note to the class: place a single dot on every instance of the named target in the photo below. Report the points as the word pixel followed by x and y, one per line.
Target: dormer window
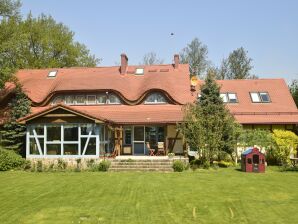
pixel 229 97
pixel 101 99
pixel 91 99
pixel 155 98
pixel 113 99
pixel 80 99
pixel 259 97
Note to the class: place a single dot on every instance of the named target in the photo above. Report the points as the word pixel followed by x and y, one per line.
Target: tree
pixel 294 90
pixel 10 8
pixel 236 66
pixel 13 133
pixel 39 43
pixel 195 54
pixel 208 125
pixel 151 59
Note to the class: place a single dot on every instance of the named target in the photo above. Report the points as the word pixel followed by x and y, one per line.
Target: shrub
pixel 102 166
pixel 61 164
pixel 195 164
pixel 39 166
pixel 78 168
pixel 178 166
pixel 90 163
pixel 10 160
pixel 223 164
pixel 285 144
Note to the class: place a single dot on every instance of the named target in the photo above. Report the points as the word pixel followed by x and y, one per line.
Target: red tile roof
pixel 120 114
pixel 161 77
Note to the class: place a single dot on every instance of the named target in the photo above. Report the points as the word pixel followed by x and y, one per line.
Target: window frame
pixel 76 101
pixel 155 100
pixel 228 97
pixel 87 100
pixel 259 96
pixel 42 149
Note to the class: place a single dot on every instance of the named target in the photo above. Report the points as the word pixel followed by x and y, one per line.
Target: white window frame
pixel 226 97
pixel 109 102
pixel 73 101
pixel 61 142
pixel 155 100
pixel 95 100
pixel 259 97
pixel 76 101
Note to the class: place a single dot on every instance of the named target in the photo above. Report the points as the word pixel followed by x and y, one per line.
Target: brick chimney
pixel 176 61
pixel 124 63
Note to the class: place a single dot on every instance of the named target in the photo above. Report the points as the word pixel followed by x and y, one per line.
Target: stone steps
pixel 141 165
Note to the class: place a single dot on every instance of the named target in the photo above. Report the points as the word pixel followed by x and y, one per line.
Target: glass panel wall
pixel 64 139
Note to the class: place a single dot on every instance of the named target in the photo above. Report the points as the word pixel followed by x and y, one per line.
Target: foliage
pixel 236 66
pixel 102 166
pixel 171 155
pixel 13 133
pixel 195 54
pixel 39 43
pixel 223 164
pixel 10 8
pixel 294 90
pixel 151 59
pixel 256 137
pixel 178 166
pixel 208 126
pixel 39 166
pixel 285 144
pixel 61 165
pixel 10 160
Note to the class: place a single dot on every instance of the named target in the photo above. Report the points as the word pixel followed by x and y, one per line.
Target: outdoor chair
pixel 160 149
pixel 150 150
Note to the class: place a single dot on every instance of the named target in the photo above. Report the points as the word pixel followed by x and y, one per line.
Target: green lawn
pixel 221 196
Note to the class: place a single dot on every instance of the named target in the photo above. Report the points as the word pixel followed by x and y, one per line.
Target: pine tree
pixel 13 133
pixel 208 126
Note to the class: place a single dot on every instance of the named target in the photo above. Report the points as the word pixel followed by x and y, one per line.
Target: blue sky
pixel 268 30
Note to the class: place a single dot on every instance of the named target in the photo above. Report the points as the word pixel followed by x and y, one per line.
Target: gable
pixel 59 114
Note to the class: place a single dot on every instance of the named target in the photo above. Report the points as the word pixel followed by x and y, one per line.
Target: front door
pixel 255 163
pixel 139 140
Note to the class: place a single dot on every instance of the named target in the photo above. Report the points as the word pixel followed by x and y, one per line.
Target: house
pixel 89 112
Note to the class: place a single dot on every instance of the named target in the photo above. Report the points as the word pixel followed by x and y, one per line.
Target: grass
pixel 213 196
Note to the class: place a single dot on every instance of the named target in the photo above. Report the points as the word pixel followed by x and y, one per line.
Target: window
pixel 91 99
pixel 249 160
pixel 102 99
pixel 64 139
pixel 58 99
pixel 87 99
pixel 155 98
pixel 52 74
pixel 264 97
pixel 113 99
pixel 139 71
pixel 80 99
pixel 224 97
pixel 71 133
pixel 69 100
pixel 54 133
pixel 232 97
pixel 229 97
pixel 260 97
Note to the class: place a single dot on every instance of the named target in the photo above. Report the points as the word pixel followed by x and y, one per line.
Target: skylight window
pixel 229 97
pixel 260 97
pixel 52 74
pixel 139 71
pixel 224 97
pixel 265 97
